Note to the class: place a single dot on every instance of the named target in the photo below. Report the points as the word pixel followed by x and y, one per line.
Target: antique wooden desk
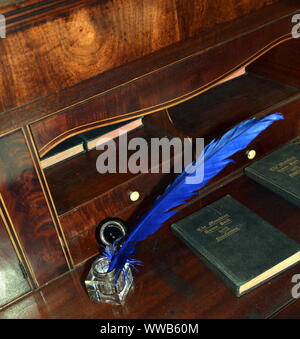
pixel 72 66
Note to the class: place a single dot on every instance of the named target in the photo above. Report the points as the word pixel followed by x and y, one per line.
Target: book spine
pixel 277 189
pixel 208 261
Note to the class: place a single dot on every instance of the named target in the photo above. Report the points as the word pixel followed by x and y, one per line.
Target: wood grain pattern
pixel 77 181
pixel 28 211
pixel 112 58
pixel 12 282
pixel 80 225
pixel 59 100
pixel 79 42
pixel 189 78
pixel 173 280
pixel 212 112
pixel 84 197
pixel 280 64
pixel 87 243
pixel 111 203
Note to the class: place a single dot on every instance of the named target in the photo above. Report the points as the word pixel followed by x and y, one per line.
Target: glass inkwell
pixel 104 286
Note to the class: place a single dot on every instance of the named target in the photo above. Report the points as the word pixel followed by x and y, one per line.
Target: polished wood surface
pixel 173 282
pixel 280 64
pixel 81 224
pixel 25 203
pixel 71 66
pixel 22 13
pixel 76 41
pixel 189 77
pixel 65 97
pixel 290 312
pixel 77 181
pixel 112 203
pixel 13 284
pixel 87 243
pixel 249 95
pixel 83 197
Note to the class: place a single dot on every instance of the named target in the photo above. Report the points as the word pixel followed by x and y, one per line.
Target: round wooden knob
pixel 134 196
pixel 251 154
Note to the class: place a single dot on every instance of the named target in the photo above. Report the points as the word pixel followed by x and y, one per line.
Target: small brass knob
pixel 251 154
pixel 134 196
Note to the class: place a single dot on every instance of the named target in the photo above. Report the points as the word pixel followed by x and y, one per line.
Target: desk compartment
pixel 84 198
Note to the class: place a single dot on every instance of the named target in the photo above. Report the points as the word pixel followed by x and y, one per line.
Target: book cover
pixel 279 172
pixel 86 141
pixel 65 150
pixel 240 247
pixel 93 138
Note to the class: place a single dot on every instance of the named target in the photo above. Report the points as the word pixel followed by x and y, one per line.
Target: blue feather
pixel 215 157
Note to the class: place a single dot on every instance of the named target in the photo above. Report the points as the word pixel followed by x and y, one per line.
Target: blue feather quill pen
pixel 215 157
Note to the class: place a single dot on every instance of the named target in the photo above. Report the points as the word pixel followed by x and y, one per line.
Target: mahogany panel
pixel 228 104
pixel 77 181
pixel 28 210
pixel 87 244
pixel 72 43
pixel 83 244
pixel 12 281
pixel 189 77
pixel 163 123
pixel 210 116
pixel 281 64
pixel 58 100
pixel 173 282
pixel 109 204
pixel 80 225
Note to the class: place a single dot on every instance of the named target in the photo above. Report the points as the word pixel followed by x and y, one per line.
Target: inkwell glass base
pixel 101 285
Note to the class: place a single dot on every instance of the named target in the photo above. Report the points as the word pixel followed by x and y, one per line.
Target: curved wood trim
pixel 152 109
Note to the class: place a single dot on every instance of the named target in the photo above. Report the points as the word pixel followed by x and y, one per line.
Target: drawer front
pixel 86 244
pixel 79 225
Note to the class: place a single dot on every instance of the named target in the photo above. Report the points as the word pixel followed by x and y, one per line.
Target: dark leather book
pixel 240 247
pixel 279 172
